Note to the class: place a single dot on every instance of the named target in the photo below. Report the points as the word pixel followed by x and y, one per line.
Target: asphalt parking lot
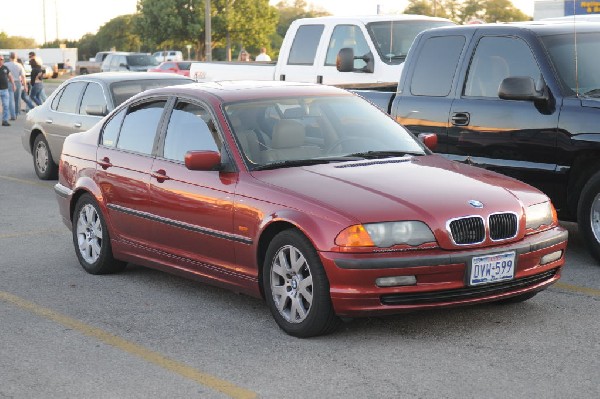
pixel 144 333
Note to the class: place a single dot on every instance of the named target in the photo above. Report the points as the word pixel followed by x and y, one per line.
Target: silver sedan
pixel 77 105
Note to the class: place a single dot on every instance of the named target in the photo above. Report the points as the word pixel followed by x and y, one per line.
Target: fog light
pixel 551 257
pixel 395 281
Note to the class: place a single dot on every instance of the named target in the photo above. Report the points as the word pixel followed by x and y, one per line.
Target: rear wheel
pixel 588 215
pixel 91 240
pixel 44 166
pixel 296 287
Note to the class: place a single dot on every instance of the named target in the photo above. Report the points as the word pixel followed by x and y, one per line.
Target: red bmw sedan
pixel 305 195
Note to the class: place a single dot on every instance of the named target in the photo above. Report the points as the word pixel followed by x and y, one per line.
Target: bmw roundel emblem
pixel 476 204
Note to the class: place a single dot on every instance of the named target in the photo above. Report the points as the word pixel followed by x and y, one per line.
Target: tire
pixel 588 215
pixel 517 299
pixel 91 240
pixel 44 166
pixel 297 293
pixel 83 71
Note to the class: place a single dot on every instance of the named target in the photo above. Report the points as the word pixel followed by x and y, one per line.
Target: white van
pixel 169 55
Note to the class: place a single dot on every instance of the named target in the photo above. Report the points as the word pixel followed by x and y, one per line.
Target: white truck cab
pixel 311 45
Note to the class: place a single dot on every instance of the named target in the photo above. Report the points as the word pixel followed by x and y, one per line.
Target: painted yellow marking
pixel 30 182
pixel 33 233
pixel 174 366
pixel 578 289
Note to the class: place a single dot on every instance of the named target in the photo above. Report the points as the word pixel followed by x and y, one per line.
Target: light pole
pixel 188 47
pixel 208 38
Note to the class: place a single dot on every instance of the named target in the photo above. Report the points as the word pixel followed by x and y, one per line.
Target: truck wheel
pixel 44 166
pixel 588 215
pixel 296 287
pixel 83 71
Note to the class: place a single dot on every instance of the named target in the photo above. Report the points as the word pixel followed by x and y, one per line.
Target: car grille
pixel 471 230
pixel 468 292
pixel 503 226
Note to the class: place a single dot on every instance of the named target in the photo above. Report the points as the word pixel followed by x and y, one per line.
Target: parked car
pixel 180 68
pixel 169 55
pixel 306 195
pixel 134 62
pixel 94 65
pixel 77 105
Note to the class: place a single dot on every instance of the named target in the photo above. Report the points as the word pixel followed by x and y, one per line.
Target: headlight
pixel 385 234
pixel 539 215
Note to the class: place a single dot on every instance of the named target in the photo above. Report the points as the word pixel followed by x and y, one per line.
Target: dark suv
pixel 135 62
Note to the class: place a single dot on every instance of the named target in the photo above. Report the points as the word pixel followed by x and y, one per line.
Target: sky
pixel 71 19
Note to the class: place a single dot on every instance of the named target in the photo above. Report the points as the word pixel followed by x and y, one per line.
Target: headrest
pixel 288 134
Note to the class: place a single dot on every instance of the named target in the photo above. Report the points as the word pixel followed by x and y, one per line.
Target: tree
pixel 171 23
pixel 119 33
pixel 492 11
pixel 16 41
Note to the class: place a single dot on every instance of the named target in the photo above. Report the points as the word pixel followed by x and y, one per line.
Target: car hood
pixel 428 188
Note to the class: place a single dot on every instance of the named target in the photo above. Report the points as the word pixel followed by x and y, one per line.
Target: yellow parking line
pixel 191 373
pixel 578 289
pixel 30 182
pixel 32 233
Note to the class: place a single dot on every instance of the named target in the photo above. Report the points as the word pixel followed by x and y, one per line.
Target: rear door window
pixel 140 125
pixel 304 47
pixel 433 77
pixel 69 100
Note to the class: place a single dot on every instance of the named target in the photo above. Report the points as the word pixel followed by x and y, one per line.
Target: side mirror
pixel 202 160
pixel 429 139
pixel 522 88
pixel 344 61
pixel 96 110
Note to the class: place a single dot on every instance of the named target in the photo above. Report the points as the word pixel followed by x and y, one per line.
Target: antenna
pixel 575 48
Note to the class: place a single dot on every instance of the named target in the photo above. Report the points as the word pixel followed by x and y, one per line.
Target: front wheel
pixel 91 240
pixel 296 287
pixel 44 165
pixel 588 215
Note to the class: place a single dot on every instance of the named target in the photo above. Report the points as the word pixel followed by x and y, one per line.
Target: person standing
pixel 37 87
pixel 5 79
pixel 18 75
pixel 25 92
pixel 263 56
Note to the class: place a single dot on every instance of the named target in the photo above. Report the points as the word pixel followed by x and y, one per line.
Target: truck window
pixel 304 47
pixel 432 77
pixel 347 36
pixel 495 59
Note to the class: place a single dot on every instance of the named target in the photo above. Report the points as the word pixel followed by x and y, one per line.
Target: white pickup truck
pixel 311 45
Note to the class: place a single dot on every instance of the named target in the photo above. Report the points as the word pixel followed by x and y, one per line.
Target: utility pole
pixel 44 18
pixel 208 38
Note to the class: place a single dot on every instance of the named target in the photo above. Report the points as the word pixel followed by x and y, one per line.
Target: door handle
pixel 105 163
pixel 49 121
pixel 160 175
pixel 78 124
pixel 461 118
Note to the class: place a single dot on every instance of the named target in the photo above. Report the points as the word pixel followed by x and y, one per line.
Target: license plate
pixel 492 268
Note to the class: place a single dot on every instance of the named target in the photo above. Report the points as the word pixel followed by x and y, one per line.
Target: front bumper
pixel 442 276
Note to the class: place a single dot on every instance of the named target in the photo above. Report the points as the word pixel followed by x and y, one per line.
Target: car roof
pixel 231 91
pixel 540 28
pixel 110 77
pixel 370 18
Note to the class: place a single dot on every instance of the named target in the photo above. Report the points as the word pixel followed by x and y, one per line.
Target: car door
pixel 61 118
pixel 194 209
pixel 516 138
pixel 299 64
pixel 124 160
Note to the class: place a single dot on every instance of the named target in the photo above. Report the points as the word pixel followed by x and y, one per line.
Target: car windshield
pixel 309 130
pixel 578 74
pixel 393 38
pixel 121 91
pixel 141 60
pixel 184 66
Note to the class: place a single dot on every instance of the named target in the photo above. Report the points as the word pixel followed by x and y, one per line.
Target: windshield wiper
pixel 306 162
pixel 592 93
pixel 383 154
